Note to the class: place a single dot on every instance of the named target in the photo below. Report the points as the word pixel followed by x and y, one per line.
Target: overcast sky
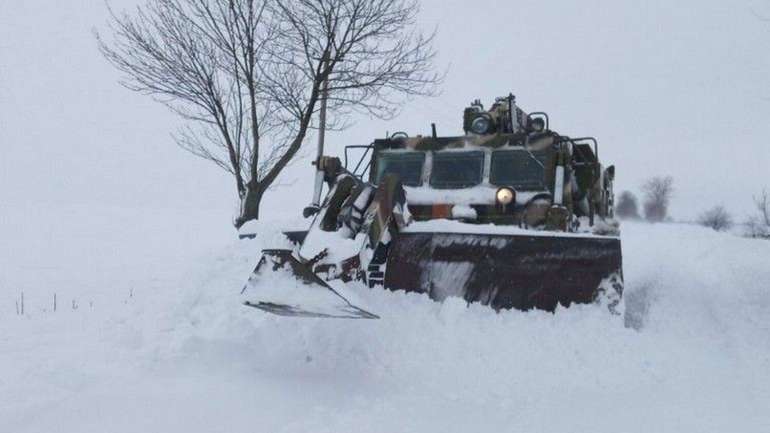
pixel 679 88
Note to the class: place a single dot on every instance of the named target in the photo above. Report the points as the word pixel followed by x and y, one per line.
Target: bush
pixel 755 228
pixel 716 218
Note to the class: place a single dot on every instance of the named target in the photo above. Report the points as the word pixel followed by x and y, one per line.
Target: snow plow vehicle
pixel 511 215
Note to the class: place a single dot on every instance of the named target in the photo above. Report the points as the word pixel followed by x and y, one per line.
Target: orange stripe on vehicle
pixel 441 211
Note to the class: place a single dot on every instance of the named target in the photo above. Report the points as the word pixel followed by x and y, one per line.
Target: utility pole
pixel 315 204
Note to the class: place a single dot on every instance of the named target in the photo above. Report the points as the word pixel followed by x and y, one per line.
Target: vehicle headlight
pixel 505 196
pixel 481 125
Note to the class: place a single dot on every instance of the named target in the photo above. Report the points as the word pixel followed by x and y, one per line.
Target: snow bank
pixel 691 354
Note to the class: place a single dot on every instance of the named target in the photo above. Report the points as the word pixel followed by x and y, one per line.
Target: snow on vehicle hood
pixel 481 195
pixel 451 226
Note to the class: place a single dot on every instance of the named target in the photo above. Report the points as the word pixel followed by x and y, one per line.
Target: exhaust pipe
pixel 558 215
pixel 558 189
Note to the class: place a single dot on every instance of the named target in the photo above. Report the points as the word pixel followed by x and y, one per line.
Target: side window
pixel 407 165
pixel 453 170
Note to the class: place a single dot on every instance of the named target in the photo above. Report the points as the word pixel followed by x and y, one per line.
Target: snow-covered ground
pixel 157 341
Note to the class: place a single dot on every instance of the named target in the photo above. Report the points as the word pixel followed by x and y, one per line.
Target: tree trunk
pixel 250 202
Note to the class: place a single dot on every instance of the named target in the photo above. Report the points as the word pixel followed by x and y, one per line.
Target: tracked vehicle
pixel 511 214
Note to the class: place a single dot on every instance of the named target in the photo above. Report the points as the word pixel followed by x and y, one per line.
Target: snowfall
pixel 148 335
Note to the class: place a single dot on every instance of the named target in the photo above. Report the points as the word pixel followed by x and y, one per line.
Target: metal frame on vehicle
pixel 368 165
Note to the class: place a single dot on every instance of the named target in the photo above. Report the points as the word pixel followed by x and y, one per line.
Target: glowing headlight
pixel 505 196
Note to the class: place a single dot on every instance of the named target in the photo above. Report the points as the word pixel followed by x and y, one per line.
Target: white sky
pixel 680 88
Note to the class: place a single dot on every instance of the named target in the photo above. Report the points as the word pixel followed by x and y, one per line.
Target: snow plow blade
pixel 519 271
pixel 282 285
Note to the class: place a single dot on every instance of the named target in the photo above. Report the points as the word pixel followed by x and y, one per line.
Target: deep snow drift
pixel 157 342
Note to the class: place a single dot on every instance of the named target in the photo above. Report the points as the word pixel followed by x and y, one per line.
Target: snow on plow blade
pixel 282 285
pixel 519 271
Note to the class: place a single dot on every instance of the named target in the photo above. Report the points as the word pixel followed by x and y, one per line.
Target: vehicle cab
pixel 509 168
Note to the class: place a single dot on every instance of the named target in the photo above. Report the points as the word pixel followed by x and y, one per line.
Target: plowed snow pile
pixel 148 336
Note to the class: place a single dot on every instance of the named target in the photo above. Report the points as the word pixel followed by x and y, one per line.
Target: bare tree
pixel 758 226
pixel 248 75
pixel 657 197
pixel 716 218
pixel 628 206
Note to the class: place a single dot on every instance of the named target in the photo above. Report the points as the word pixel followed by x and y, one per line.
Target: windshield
pixel 407 165
pixel 456 169
pixel 521 169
